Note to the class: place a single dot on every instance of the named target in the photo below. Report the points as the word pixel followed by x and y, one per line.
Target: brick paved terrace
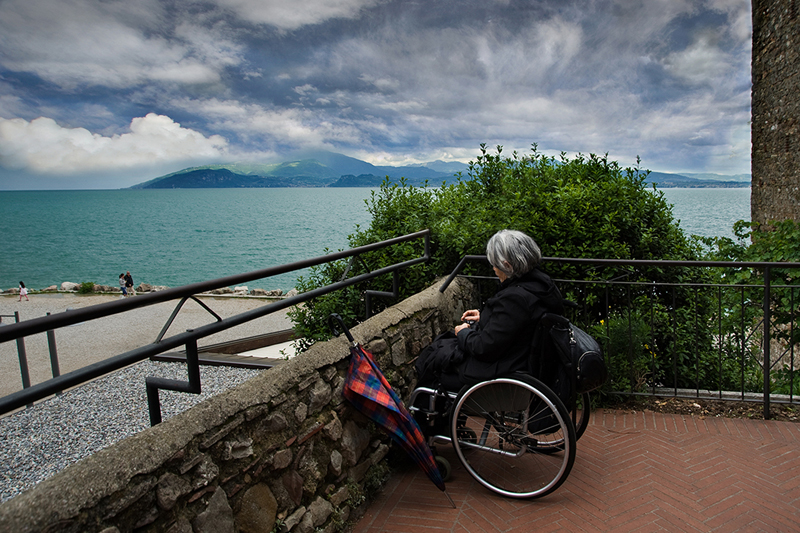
pixel 634 471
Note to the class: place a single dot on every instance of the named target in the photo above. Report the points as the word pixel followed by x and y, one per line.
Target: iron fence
pixel 695 337
pixel 686 339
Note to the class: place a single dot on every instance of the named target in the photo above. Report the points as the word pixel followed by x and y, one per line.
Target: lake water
pixel 709 212
pixel 176 237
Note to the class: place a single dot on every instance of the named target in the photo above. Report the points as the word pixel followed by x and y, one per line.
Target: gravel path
pixel 42 440
pixel 39 441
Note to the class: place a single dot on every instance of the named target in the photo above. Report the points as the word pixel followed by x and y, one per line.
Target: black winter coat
pixel 500 342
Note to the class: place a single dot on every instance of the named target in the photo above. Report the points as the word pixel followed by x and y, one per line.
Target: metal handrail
pixel 57 384
pixel 627 262
pixel 767 286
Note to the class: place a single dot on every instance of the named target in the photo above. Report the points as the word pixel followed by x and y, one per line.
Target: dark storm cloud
pixel 131 87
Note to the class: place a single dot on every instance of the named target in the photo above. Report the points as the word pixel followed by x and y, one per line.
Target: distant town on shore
pixel 328 169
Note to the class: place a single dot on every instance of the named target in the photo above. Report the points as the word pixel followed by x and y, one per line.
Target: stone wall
pixel 776 111
pixel 282 452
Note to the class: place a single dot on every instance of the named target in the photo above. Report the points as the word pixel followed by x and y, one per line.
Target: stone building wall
pixel 281 452
pixel 775 129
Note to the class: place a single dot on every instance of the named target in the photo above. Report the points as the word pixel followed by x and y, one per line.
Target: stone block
pixel 319 396
pixel 238 449
pixel 293 519
pixel 257 510
pixel 358 472
pixel 320 509
pixel 170 488
pixel 336 463
pixel 282 459
pixel 340 496
pixel 333 429
pixel 301 412
pixel 204 473
pixel 218 516
pixel 355 440
pixel 293 483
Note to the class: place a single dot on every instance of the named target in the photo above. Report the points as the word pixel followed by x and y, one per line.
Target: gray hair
pixel 513 253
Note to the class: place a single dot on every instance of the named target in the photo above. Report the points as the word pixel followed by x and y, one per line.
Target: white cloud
pixel 740 15
pixel 42 146
pixel 276 126
pixel 701 63
pixel 297 13
pixel 77 43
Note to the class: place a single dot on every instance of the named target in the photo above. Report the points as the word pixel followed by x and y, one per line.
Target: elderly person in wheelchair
pixel 495 341
pixel 475 390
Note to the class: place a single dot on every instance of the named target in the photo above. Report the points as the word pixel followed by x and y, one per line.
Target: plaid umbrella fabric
pixel 369 392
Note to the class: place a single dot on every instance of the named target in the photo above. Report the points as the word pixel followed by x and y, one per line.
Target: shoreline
pixel 89 342
pixel 69 287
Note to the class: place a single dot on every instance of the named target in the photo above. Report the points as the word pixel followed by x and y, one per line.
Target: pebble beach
pixel 39 441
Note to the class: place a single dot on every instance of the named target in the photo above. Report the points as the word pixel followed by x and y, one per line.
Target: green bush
pixel 585 206
pixel 777 242
pixel 87 287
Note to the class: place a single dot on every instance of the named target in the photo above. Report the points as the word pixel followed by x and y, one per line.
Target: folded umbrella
pixel 368 390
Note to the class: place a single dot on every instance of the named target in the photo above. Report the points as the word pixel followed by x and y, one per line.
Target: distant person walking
pixel 129 284
pixel 122 282
pixel 23 292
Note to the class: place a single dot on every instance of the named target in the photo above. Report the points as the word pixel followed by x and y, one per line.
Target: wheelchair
pixel 513 434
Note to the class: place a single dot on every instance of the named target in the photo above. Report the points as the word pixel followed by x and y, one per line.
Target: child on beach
pixel 23 292
pixel 122 283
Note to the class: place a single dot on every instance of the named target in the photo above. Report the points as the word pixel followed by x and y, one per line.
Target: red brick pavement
pixel 634 471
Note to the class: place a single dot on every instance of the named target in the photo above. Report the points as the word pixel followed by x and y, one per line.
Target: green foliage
pixel 586 207
pixel 777 242
pixel 660 329
pixel 87 287
pixel 626 345
pixel 310 319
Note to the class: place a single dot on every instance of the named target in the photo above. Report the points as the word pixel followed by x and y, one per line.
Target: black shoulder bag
pixel 579 351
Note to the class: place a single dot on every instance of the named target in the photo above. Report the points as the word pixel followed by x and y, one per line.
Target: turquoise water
pixel 176 237
pixel 170 237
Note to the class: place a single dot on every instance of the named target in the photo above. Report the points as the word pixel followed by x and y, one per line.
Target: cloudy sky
pixel 109 93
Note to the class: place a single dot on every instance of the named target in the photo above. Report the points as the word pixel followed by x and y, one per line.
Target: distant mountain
pixel 221 178
pixel 362 180
pixel 329 169
pixel 718 177
pixel 665 180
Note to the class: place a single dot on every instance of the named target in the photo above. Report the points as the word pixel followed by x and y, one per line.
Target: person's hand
pixel 460 327
pixel 473 315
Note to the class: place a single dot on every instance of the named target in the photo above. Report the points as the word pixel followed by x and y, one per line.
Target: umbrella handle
pixel 333 319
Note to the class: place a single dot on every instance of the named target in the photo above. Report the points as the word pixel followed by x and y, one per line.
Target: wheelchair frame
pixel 512 434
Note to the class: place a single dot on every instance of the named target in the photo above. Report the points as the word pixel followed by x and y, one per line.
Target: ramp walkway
pixel 634 471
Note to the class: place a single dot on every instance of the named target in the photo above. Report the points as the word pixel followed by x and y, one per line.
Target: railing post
pixel 767 321
pixel 51 345
pixel 23 359
pixel 394 294
pixel 152 385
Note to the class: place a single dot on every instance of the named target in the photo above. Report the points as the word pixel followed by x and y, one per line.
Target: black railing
pixel 700 311
pixel 189 338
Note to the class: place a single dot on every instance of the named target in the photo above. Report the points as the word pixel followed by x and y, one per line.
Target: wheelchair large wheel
pixel 579 416
pixel 581 413
pixel 514 436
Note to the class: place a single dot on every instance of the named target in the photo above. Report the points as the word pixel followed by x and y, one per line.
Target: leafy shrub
pixel 87 287
pixel 777 242
pixel 586 206
pixel 625 338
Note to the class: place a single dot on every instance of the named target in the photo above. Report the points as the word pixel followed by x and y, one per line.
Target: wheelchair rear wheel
pixel 579 415
pixel 582 411
pixel 514 436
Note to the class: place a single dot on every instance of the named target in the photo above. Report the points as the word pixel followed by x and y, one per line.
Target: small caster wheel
pixel 444 467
